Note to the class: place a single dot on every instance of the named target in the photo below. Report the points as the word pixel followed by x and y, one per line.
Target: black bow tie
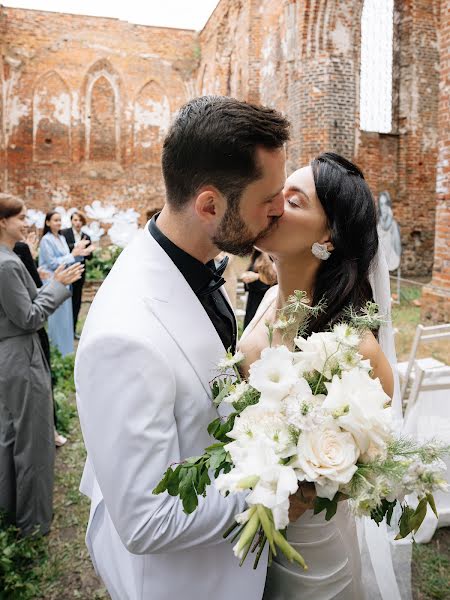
pixel 217 280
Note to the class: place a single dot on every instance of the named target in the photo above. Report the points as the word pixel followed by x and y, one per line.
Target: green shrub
pixel 98 267
pixel 62 371
pixel 63 387
pixel 18 556
pixel 65 412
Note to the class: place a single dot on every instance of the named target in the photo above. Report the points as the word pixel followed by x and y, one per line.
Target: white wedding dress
pixel 331 551
pixel 330 548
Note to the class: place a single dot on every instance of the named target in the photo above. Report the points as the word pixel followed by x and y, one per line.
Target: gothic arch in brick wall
pixel 103 106
pixel 151 121
pixel 51 119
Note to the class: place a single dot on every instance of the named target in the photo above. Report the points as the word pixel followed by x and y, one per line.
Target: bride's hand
pixel 301 501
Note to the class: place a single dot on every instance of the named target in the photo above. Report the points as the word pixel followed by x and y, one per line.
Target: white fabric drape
pixel 386 561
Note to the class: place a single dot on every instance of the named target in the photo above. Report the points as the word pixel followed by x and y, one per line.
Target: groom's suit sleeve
pixel 126 394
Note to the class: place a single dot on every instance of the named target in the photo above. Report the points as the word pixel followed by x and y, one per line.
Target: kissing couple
pixel 161 322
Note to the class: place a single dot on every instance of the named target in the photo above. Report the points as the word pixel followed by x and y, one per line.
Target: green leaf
pixel 162 485
pixel 419 515
pixel 432 504
pixel 190 500
pixel 405 522
pixel 203 482
pixel 217 458
pixel 172 486
pixel 384 509
pixel 193 460
pixel 330 506
pixel 214 426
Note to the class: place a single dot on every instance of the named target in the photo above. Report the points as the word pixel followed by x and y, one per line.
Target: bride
pixel 325 244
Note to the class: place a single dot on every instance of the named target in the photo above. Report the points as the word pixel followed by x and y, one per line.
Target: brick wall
pixel 304 59
pixel 436 297
pixel 88 101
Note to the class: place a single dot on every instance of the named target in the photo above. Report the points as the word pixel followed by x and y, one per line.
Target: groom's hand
pixel 301 501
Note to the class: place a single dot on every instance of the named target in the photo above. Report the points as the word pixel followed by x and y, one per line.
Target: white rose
pixel 358 403
pixel 326 457
pixel 273 374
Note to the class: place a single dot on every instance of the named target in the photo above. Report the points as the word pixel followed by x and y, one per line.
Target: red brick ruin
pixel 85 103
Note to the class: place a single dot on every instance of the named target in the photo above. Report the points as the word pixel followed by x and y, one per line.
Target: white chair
pixel 427 380
pixel 423 334
pixel 427 417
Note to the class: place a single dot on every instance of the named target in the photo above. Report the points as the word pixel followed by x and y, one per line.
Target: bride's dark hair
pixel 342 280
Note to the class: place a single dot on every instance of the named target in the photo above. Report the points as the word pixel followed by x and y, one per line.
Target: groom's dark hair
pixel 213 141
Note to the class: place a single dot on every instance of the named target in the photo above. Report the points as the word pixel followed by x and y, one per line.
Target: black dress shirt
pixel 205 281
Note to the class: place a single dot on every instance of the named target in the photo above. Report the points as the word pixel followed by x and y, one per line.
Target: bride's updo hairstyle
pixel 342 280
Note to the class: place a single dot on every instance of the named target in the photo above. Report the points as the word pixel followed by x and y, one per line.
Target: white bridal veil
pixel 386 563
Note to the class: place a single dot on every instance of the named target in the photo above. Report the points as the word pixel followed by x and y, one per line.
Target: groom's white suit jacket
pixel 145 360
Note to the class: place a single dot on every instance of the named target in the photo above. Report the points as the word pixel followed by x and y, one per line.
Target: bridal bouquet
pixel 313 414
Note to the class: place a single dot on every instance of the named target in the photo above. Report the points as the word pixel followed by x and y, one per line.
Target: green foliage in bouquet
pixel 189 479
pixel 101 263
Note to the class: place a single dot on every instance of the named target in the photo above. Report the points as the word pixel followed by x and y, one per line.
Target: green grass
pixel 431 568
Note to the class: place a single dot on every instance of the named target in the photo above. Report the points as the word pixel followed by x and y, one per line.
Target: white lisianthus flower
pixel 320 351
pixel 302 409
pixel 273 489
pixel 268 427
pixel 347 335
pixel 358 403
pixel 237 392
pixel 230 360
pixel 273 374
pixel 251 461
pixel 251 457
pixel 326 457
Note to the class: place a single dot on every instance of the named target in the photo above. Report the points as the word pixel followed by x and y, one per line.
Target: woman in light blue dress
pixel 53 252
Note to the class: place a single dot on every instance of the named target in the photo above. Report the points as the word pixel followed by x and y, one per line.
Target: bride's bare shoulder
pixel 371 350
pixel 254 338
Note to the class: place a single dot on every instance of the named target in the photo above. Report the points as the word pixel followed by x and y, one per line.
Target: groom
pixel 153 336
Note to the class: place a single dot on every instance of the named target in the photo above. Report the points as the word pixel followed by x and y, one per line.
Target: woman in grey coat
pixel 27 445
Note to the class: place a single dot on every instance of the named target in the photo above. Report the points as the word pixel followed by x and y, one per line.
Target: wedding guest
pixel 26 252
pixel 54 252
pixel 27 447
pixel 73 235
pixel 261 275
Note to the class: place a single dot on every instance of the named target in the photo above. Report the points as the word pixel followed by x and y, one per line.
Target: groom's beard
pixel 234 236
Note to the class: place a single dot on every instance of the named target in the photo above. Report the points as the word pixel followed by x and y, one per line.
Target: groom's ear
pixel 210 206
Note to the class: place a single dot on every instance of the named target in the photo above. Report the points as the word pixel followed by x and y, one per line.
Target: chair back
pixel 423 333
pixel 433 381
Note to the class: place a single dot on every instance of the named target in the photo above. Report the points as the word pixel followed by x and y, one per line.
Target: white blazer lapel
pixel 179 311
